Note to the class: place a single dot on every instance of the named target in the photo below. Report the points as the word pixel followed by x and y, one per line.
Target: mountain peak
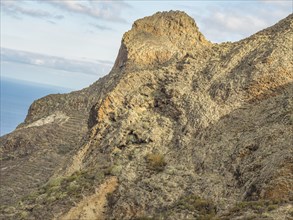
pixel 158 38
pixel 203 136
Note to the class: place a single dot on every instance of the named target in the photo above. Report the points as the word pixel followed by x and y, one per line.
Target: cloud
pixel 101 27
pixel 279 3
pixel 96 67
pixel 17 9
pixel 105 10
pixel 234 21
pixel 229 24
pixel 102 10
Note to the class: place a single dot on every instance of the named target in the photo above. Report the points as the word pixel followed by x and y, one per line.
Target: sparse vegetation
pixel 146 218
pixel 64 149
pixel 258 207
pixel 113 170
pixel 156 161
pixel 61 191
pixel 57 189
pixel 204 208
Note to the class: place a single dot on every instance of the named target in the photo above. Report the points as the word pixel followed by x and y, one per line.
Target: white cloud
pixel 101 27
pixel 18 9
pixel 235 21
pixel 96 67
pixel 105 10
pixel 280 3
pixel 230 22
pixel 95 10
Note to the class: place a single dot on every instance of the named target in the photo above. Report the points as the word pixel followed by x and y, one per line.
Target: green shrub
pixel 259 206
pixel 205 208
pixel 272 207
pixel 60 189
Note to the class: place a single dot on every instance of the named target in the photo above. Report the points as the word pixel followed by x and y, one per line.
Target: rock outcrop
pixel 158 39
pixel 181 128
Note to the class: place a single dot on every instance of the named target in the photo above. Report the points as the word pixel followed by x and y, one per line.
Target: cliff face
pixel 180 129
pixel 158 39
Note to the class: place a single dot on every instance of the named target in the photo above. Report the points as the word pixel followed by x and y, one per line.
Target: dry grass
pixel 156 162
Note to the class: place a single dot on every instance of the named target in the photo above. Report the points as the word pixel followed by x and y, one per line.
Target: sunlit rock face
pixel 159 38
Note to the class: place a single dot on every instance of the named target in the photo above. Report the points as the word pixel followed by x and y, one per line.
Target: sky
pixel 72 43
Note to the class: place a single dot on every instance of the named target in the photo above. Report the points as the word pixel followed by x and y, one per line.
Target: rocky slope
pixel 181 128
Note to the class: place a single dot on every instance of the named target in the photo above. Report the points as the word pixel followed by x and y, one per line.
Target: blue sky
pixel 72 43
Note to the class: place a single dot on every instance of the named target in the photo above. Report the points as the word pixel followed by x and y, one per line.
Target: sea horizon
pixel 16 98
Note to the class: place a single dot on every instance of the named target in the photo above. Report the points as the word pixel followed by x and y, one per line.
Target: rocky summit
pixel 181 128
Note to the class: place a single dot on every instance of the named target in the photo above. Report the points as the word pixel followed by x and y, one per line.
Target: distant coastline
pixel 17 96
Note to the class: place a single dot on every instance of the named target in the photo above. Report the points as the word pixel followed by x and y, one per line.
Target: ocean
pixel 16 97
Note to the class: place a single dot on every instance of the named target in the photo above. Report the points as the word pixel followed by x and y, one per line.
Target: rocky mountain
pixel 181 128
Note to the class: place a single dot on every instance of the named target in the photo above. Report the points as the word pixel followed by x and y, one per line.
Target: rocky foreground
pixel 181 128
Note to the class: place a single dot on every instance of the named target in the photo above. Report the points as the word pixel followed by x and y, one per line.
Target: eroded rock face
pixel 180 129
pixel 159 38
